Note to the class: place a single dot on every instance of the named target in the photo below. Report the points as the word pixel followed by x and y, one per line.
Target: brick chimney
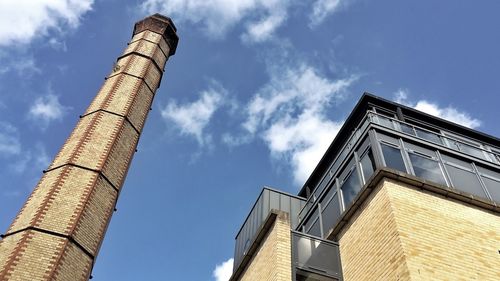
pixel 59 230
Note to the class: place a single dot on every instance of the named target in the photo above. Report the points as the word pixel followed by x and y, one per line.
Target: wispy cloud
pixel 217 17
pixel 18 61
pixel 46 109
pixel 35 159
pixel 192 118
pixel 289 115
pixel 22 21
pixel 9 140
pixel 260 19
pixel 449 113
pixel 321 9
pixel 223 271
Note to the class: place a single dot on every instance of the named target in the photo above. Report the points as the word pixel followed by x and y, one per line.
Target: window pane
pixel 311 218
pixel 386 122
pixel 407 129
pixel 328 195
pixel 330 214
pixel 489 172
pixel 471 150
pixel 493 187
pixel 367 165
pixel 427 168
pixel 315 229
pixel 465 180
pixel 350 187
pixel 393 158
pixel 491 179
pixel 428 136
pixel 451 143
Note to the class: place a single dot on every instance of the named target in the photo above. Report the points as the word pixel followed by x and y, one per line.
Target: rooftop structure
pixel 398 195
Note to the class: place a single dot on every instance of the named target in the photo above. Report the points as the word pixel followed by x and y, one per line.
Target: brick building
pixel 399 195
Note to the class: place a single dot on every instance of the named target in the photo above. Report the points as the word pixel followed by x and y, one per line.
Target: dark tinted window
pixel 491 179
pixel 471 150
pixel 350 187
pixel 393 158
pixel 315 229
pixel 367 164
pixel 427 168
pixel 386 122
pixel 330 213
pixel 465 180
pixel 407 129
pixel 428 136
pixel 493 187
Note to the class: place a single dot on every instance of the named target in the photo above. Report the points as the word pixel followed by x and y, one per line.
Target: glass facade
pixel 435 155
pixel 380 138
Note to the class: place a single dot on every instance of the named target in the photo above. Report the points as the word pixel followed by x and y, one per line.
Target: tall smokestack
pixel 58 232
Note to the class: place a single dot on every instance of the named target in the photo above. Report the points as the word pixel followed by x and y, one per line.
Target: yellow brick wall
pixel 58 232
pixel 402 233
pixel 370 246
pixel 272 260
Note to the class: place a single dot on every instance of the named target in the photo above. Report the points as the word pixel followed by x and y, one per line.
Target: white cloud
pixel 36 159
pixel 401 96
pixel 223 271
pixel 302 141
pixel 46 109
pixel 192 118
pixel 322 9
pixel 289 114
pixel 260 18
pixel 449 113
pixel 218 16
pixel 20 62
pixel 9 140
pixel 264 29
pixel 23 20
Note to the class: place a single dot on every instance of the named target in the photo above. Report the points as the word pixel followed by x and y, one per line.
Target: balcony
pixel 315 259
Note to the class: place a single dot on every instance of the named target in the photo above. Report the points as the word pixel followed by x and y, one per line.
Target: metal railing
pixel 316 256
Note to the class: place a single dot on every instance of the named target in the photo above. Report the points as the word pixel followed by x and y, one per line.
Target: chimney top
pixel 159 24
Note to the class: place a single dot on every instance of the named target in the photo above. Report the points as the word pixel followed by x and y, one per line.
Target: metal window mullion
pixel 483 185
pixel 341 195
pixel 447 176
pixel 406 157
pixel 357 164
pixel 376 149
pixel 320 218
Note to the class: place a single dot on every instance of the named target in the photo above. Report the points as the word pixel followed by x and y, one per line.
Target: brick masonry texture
pixel 59 230
pixel 272 260
pixel 403 233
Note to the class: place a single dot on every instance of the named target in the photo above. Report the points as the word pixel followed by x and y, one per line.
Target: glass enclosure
pixel 437 156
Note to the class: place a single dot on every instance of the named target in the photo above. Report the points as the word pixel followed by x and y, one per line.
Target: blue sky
pixel 254 95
